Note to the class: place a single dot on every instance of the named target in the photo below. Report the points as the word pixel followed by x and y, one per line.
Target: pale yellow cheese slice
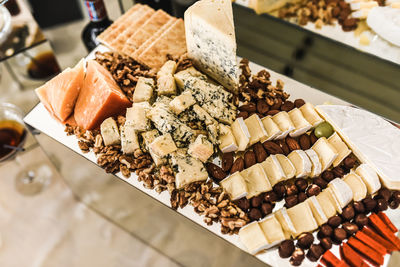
pixel 328 202
pixel 341 148
pixel 357 186
pixel 253 238
pixel 256 180
pixel 272 230
pixel 235 186
pixel 302 218
pixel 274 170
pixel 256 129
pixel 285 222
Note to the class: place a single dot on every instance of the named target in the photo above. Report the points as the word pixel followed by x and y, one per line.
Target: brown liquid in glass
pixel 12 133
pixel 43 66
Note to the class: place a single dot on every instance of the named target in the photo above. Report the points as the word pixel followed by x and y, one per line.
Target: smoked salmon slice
pixel 60 94
pixel 99 98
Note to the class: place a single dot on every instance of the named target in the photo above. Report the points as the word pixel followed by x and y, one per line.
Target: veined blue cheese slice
pixel 284 123
pixel 129 139
pixel 182 102
pixel 109 132
pixel 372 139
pixel 256 129
pixel 227 141
pixel 210 39
pixel 272 230
pixel 256 180
pixel 241 133
pixel 188 169
pixel 136 116
pixel 274 170
pixel 326 152
pixel 357 186
pixel 310 114
pixel 235 186
pixel 317 210
pixel 143 90
pixel 302 218
pixel 301 162
pixel 300 123
pixel 316 169
pixel 182 76
pixel 341 148
pixel 253 238
pixel 342 191
pixel 272 129
pixel 285 222
pixel 369 177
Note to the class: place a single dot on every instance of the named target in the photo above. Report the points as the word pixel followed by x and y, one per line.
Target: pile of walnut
pixel 321 12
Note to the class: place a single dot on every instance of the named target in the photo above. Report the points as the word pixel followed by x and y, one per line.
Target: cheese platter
pixel 243 151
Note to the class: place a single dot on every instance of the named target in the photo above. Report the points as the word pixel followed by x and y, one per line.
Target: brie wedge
pixel 317 210
pixel 271 128
pixel 316 168
pixel 302 218
pixel 241 133
pixel 342 191
pixel 310 114
pixel 328 202
pixel 256 129
pixel 301 162
pixel 253 238
pixel 274 170
pixel 285 222
pixel 284 123
pixel 384 21
pixel 369 177
pixel 341 148
pixel 325 151
pixel 272 230
pixel 256 180
pixel 227 141
pixel 357 186
pixel 287 166
pixel 300 123
pixel 235 186
pixel 372 139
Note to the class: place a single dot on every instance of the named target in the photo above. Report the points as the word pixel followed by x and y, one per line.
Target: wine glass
pixel 30 180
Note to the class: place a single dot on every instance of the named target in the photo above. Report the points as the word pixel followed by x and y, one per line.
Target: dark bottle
pixel 99 21
pixel 158 4
pixel 13 7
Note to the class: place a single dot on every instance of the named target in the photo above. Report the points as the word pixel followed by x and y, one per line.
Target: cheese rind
pixel 284 123
pixel 328 202
pixel 340 147
pixel 273 170
pixel 109 132
pixel 182 102
pixel 300 123
pixel 369 177
pixel 287 166
pixel 253 238
pixel 302 218
pixel 342 191
pixel 272 230
pixel 235 186
pixel 301 162
pixel 227 141
pixel 256 180
pixel 271 128
pixel 143 90
pixel 316 169
pixel 310 114
pixel 317 210
pixel 326 152
pixel 357 186
pixel 241 133
pixel 201 149
pixel 256 129
pixel 285 222
pixel 163 145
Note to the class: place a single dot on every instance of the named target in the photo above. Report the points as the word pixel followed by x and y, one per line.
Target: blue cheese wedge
pixel 302 218
pixel 317 210
pixel 210 39
pixel 285 222
pixel 326 152
pixel 235 186
pixel 310 114
pixel 256 180
pixel 241 133
pixel 301 162
pixel 287 166
pixel 301 125
pixel 316 168
pixel 163 145
pixel 201 149
pixel 167 69
pixel 341 148
pixel 274 170
pixel 271 128
pixel 328 202
pixel 143 90
pixel 284 123
pixel 369 177
pixel 129 139
pixel 148 138
pixel 372 139
pixel 256 129
pixel 253 238
pixel 136 116
pixel 188 170
pixel 182 76
pixel 342 191
pixel 182 102
pixel 226 139
pixel 212 126
pixel 109 132
pixel 272 230
pixel 357 186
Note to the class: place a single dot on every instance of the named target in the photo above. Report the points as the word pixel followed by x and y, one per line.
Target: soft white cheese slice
pixel 253 238
pixel 341 148
pixel 342 191
pixel 227 141
pixel 372 139
pixel 210 40
pixel 384 21
pixel 256 180
pixel 284 123
pixel 109 131
pixel 316 168
pixel 272 230
pixel 300 123
pixel 287 166
pixel 302 218
pixel 317 210
pixel 256 129
pixel 363 5
pixel 328 202
pixel 357 186
pixel 272 129
pixel 235 186
pixel 310 114
pixel 369 177
pixel 274 170
pixel 301 162
pixel 241 133
pixel 285 222
pixel 326 152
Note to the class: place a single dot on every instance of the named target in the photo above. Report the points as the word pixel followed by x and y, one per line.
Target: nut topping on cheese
pixel 109 132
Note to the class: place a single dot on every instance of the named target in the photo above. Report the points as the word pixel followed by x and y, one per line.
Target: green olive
pixel 323 130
